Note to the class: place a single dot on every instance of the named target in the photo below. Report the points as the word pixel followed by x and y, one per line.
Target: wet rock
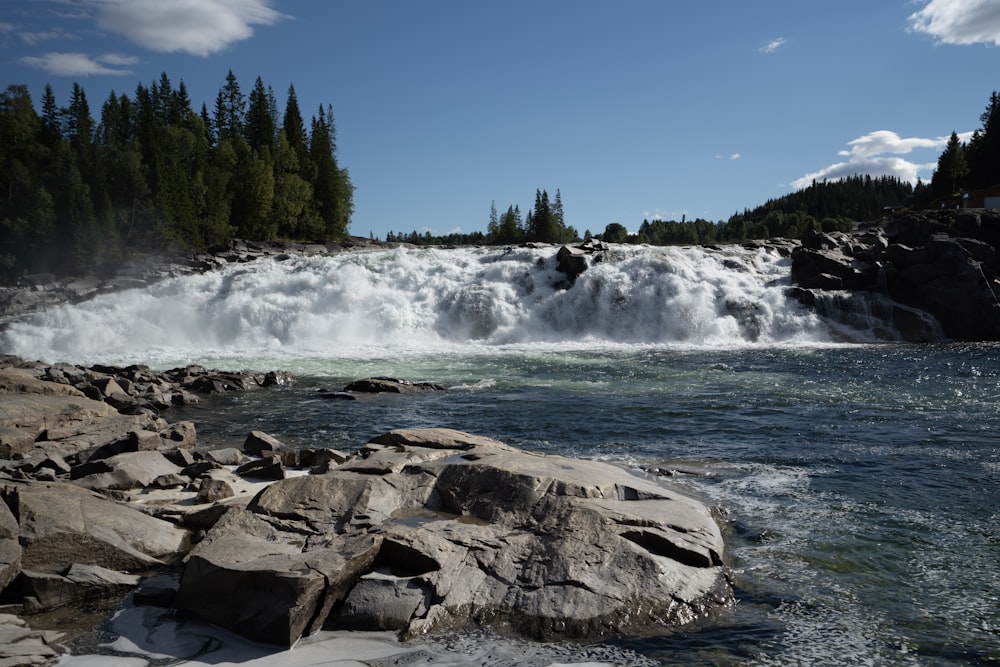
pixel 80 583
pixel 572 262
pixel 383 385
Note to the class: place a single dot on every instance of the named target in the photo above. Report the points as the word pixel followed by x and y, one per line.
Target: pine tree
pixel 230 109
pixel 983 151
pixel 331 185
pixel 951 169
pixel 493 226
pixel 292 124
pixel 260 128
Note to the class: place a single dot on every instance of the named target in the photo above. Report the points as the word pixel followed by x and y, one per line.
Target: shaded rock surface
pixel 459 530
pixel 923 275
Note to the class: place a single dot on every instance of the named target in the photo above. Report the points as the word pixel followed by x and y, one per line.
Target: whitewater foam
pixel 410 300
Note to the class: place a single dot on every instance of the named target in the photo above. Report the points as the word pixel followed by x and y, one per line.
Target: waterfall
pixel 409 298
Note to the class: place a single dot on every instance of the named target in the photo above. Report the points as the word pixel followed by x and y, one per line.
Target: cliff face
pixel 943 263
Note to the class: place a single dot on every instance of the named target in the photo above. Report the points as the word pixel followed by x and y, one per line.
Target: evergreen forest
pixel 151 174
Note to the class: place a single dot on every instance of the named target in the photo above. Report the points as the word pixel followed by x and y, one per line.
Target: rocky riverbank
pixel 418 531
pixel 923 276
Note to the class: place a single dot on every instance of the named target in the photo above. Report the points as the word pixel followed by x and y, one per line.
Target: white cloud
pixel 198 27
pixel 118 59
pixel 872 155
pixel 32 38
pixel 773 45
pixel 733 156
pixel 79 64
pixel 959 21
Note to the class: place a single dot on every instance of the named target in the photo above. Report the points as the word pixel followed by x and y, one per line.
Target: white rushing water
pixel 406 300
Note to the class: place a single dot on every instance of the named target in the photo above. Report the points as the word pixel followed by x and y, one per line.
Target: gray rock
pixel 33 412
pixel 227 456
pixel 383 385
pixel 258 441
pixel 10 547
pixel 131 470
pixel 61 524
pixel 470 532
pixel 20 645
pixel 133 441
pixel 214 490
pixel 181 435
pixel 14 441
pixel 269 467
pixel 258 581
pixel 169 481
pixel 199 469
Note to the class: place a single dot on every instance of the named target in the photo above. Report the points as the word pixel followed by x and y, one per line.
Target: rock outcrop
pixel 573 260
pixel 941 264
pixel 432 529
pixel 419 531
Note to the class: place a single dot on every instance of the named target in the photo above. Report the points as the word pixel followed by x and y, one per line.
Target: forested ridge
pixel 151 174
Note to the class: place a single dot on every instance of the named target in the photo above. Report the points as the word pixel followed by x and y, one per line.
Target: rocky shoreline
pixel 418 531
pixel 925 276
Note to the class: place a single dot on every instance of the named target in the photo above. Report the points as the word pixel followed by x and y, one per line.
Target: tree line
pixel 824 206
pixel 544 223
pixel 821 206
pixel 973 165
pixel 152 174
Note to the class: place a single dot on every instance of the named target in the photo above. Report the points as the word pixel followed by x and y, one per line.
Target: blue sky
pixel 634 109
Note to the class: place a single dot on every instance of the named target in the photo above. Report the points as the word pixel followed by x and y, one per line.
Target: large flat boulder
pixel 61 524
pixel 440 530
pixel 34 412
pixel 130 470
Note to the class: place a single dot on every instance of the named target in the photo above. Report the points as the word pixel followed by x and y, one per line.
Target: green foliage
pixel 952 168
pixel 962 167
pixel 153 174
